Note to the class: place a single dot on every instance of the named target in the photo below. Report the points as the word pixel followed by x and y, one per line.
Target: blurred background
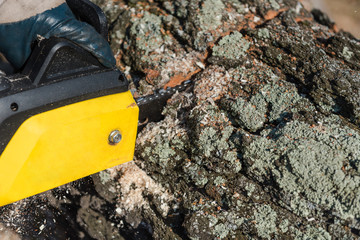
pixel 345 13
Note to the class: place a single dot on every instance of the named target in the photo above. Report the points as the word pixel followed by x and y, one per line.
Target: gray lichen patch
pixel 211 134
pixel 205 122
pixel 196 174
pixel 219 181
pixel 148 47
pixel 265 219
pixel 233 46
pixel 208 18
pixel 284 226
pixel 263 33
pixel 161 154
pixel 147 31
pixel 274 101
pixel 314 233
pixel 104 177
pixel 309 162
pixel 111 9
pixel 163 148
pixel 347 53
pixel 281 96
pixel 211 14
pixel 247 115
pixel 274 4
pixel 319 70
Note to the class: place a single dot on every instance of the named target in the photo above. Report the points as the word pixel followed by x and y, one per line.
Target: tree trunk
pixel 264 145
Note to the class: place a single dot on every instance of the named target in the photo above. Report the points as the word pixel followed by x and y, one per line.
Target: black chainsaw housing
pixel 57 73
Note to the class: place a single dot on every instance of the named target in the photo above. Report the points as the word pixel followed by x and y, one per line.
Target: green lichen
pixel 164 152
pixel 233 220
pixel 159 154
pixel 208 135
pixel 212 220
pixel 232 46
pixel 232 157
pixel 147 32
pixel 248 115
pixel 211 146
pixel 104 177
pixel 265 218
pixel 313 170
pixel 211 14
pixel 299 206
pixel 196 174
pixel 263 33
pixel 239 203
pixel 238 6
pixel 347 54
pixel 225 224
pixel 313 233
pixel 277 96
pixel 219 181
pixel 274 4
pixel 209 140
pixel 181 8
pixel 250 188
pixel 221 230
pixel 284 226
pixel 280 95
pixel 261 150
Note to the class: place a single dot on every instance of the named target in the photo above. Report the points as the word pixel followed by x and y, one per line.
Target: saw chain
pixel 151 106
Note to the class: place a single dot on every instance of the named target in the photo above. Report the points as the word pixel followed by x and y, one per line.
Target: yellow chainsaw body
pixel 67 143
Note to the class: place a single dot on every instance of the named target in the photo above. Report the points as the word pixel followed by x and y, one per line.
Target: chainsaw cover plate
pixel 61 145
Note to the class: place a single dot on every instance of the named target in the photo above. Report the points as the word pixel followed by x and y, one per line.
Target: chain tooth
pixel 161 92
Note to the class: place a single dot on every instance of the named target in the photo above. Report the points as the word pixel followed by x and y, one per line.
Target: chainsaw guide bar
pixel 151 106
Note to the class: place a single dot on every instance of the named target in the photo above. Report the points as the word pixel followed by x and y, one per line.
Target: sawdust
pixel 133 183
pixel 181 68
pixel 212 84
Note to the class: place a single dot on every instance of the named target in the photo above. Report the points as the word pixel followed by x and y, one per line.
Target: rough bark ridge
pixel 265 145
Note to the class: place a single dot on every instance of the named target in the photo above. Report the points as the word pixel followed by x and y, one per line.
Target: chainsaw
pixel 65 116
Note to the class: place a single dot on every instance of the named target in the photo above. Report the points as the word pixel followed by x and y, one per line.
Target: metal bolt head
pixel 115 137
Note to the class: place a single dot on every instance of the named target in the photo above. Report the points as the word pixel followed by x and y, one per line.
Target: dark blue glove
pixel 16 38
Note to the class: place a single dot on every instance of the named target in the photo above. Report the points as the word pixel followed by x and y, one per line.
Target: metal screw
pixel 115 137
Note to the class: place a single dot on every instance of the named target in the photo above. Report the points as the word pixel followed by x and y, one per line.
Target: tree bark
pixel 264 145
